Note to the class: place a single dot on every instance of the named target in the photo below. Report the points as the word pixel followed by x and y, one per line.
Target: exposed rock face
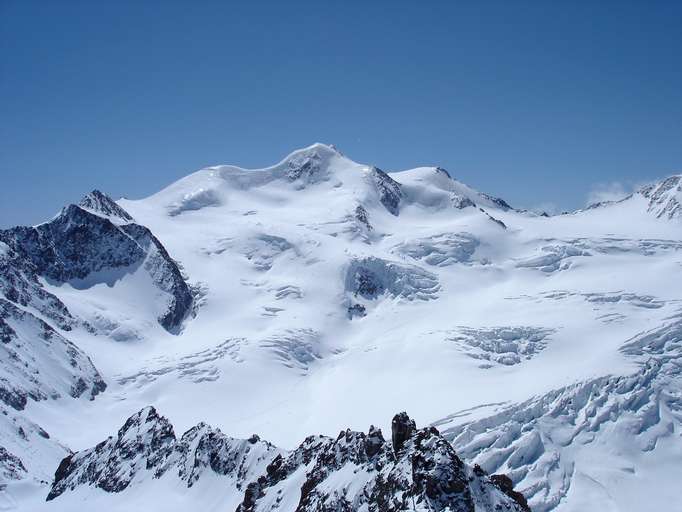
pixel 665 197
pixel 357 224
pixel 36 363
pixel 27 452
pixel 39 363
pixel 102 204
pixel 402 428
pixel 306 167
pixel 460 202
pixel 388 189
pixel 352 472
pixel 507 486
pixel 496 221
pixel 500 203
pixel 11 466
pixel 19 284
pixel 146 447
pixel 143 443
pixel 204 448
pixel 166 275
pixel 83 240
pixel 357 310
pixel 310 165
pixel 362 217
pixel 73 245
pixel 358 471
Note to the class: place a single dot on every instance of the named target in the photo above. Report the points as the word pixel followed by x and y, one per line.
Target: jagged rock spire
pixel 402 428
pixel 426 472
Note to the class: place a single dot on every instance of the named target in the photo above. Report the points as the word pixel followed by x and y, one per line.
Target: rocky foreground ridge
pixel 417 469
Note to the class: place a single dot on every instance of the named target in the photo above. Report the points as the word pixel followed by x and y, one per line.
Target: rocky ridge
pixel 418 470
pixel 95 236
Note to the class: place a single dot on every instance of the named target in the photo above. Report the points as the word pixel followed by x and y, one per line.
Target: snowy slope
pixel 326 294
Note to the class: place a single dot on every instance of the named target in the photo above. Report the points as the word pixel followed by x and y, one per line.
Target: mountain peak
pixel 317 148
pixel 309 163
pixel 101 204
pixel 665 197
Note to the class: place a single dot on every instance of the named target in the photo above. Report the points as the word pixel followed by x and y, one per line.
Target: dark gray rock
pixel 500 203
pixel 146 444
pixel 38 363
pixel 19 284
pixel 101 203
pixel 309 166
pixel 11 466
pixel 362 217
pixel 73 245
pixel 664 197
pixel 402 428
pixel 424 474
pixel 507 486
pixel 389 190
pixel 357 311
pixel 83 240
pixel 354 471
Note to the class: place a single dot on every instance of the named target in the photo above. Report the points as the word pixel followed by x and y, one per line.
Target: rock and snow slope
pixel 418 470
pixel 328 294
pixel 48 274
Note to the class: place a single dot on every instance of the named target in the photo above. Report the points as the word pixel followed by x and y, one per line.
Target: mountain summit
pixel 539 356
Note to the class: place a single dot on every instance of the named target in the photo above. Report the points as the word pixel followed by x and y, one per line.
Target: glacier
pixel 274 315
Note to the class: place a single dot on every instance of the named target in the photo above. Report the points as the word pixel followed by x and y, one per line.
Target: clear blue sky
pixel 537 102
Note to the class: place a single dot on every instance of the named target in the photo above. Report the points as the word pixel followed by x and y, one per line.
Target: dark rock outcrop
pixel 507 486
pixel 310 165
pixel 79 242
pixel 19 284
pixel 102 204
pixel 11 466
pixel 389 190
pixel 362 471
pixel 665 197
pixel 498 202
pixel 147 445
pixel 73 245
pixel 356 311
pixel 460 202
pixel 38 363
pixel 354 471
pixel 402 428
pixel 362 217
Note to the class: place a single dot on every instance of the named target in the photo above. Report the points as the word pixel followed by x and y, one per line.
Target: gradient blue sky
pixel 536 102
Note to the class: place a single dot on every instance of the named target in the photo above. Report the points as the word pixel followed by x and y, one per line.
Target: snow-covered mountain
pixel 321 295
pixel 663 199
